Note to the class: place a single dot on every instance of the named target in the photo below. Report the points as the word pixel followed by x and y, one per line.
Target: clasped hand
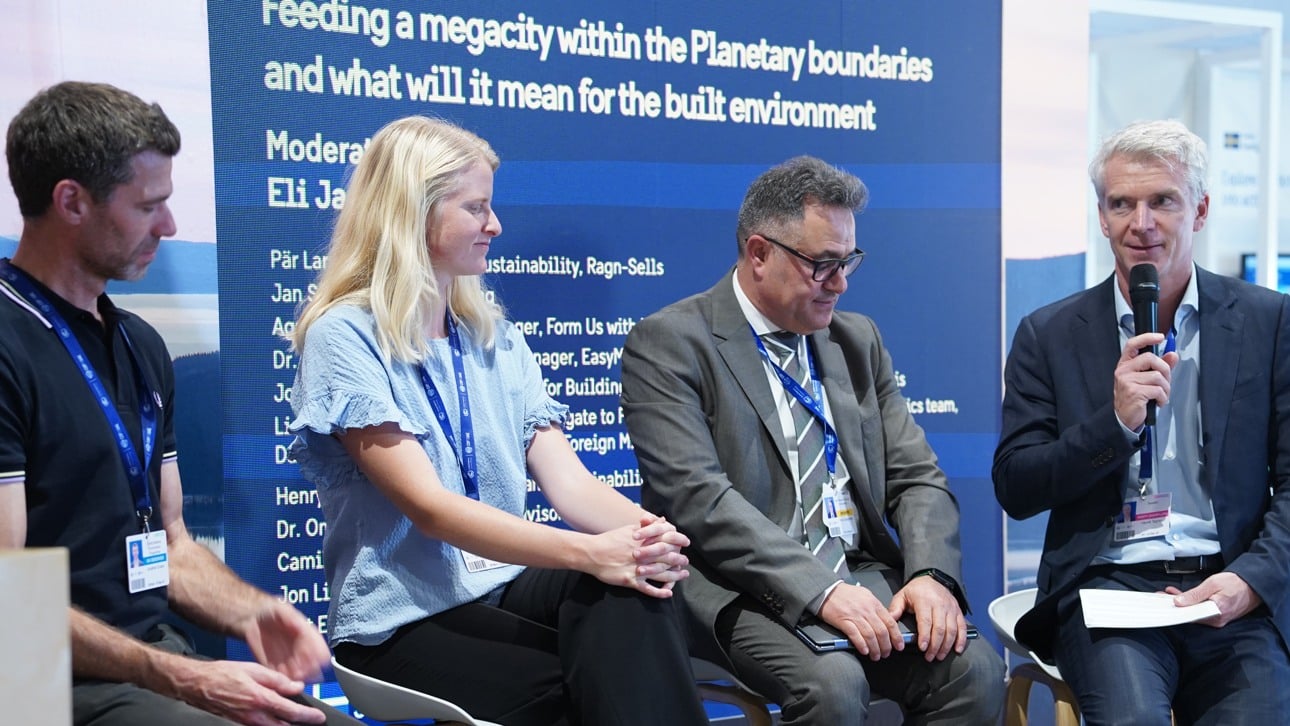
pixel 645 557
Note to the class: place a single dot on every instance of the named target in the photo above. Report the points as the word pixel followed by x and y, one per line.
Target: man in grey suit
pixel 771 430
pixel 1196 505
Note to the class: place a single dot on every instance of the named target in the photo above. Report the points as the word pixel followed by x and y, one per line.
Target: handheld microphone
pixel 1144 294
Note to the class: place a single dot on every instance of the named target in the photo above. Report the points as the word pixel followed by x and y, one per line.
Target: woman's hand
pixel 645 557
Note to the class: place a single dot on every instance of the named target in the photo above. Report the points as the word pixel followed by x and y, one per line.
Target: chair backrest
pixel 1005 611
pixel 389 702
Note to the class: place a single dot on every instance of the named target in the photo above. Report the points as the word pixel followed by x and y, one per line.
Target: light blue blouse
pixel 382 572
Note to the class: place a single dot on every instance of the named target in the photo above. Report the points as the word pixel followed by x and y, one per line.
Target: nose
pixel 494 225
pixel 837 284
pixel 1142 219
pixel 166 225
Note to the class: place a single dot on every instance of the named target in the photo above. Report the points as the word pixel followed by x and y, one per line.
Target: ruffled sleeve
pixel 342 383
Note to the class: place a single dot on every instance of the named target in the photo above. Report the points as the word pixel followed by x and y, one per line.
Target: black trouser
pixel 560 648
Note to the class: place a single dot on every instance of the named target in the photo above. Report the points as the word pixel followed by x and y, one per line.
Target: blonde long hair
pixel 378 257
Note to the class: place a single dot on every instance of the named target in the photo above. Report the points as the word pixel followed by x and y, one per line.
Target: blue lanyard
pixel 813 404
pixel 1147 458
pixel 136 473
pixel 466 455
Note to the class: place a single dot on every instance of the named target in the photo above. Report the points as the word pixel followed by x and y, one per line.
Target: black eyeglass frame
pixel 846 265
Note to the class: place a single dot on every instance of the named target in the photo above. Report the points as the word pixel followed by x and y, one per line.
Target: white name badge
pixel 840 514
pixel 475 563
pixel 1143 516
pixel 147 562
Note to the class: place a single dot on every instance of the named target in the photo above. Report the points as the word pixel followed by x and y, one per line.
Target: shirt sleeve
pixel 13 458
pixel 343 381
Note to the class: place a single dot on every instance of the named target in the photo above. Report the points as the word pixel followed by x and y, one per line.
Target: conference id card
pixel 840 514
pixel 1143 516
pixel 475 563
pixel 147 561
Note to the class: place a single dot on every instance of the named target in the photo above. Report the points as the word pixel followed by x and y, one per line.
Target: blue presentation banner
pixel 628 134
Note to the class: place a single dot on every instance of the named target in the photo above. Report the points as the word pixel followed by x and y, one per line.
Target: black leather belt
pixel 1201 564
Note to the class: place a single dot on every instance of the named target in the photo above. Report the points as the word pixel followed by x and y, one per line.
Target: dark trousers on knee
pixel 559 647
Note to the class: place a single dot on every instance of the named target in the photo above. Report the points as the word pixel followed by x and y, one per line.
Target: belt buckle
pixel 1198 563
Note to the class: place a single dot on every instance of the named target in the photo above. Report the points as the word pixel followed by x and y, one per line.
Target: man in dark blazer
pixel 711 415
pixel 1210 475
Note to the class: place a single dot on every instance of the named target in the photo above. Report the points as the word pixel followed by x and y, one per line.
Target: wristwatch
pixel 945 580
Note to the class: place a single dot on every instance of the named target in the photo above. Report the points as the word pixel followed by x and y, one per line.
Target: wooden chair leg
pixel 1017 700
pixel 1065 709
pixel 752 707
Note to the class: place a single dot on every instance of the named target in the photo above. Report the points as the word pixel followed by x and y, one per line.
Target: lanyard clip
pixel 145 517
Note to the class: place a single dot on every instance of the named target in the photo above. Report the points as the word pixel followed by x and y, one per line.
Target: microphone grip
pixel 1151 405
pixel 1144 321
pixel 1144 296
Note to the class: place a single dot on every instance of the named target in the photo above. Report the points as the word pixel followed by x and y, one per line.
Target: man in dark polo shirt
pixel 87 446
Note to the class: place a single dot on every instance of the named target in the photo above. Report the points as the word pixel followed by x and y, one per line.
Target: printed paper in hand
pixel 1123 609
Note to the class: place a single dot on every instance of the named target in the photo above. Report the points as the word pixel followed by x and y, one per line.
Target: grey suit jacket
pixel 1061 448
pixel 712 454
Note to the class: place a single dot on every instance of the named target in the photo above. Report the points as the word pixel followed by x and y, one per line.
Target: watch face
pixel 945 580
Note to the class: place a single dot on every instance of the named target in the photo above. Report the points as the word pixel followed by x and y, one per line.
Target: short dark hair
pixel 781 193
pixel 86 132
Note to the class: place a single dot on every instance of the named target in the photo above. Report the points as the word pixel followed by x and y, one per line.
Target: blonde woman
pixel 420 415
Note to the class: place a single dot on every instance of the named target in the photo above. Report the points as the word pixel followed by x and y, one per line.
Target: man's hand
pixel 863 619
pixel 1141 377
pixel 941 625
pixel 1233 596
pixel 247 693
pixel 283 639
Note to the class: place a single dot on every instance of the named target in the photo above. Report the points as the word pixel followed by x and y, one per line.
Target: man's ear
pixel 1202 214
pixel 71 201
pixel 757 250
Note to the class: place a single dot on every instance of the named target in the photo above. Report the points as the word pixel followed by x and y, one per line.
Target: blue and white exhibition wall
pixel 628 134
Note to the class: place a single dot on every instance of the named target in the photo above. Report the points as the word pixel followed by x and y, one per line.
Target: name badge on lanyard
pixel 147 562
pixel 840 514
pixel 1144 515
pixel 466 453
pixel 149 404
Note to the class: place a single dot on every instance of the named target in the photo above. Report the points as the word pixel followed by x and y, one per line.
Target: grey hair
pixel 781 193
pixel 1167 142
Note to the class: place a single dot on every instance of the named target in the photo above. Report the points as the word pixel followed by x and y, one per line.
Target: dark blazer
pixel 1061 448
pixel 712 453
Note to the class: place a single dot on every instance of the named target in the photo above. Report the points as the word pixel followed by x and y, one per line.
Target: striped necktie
pixel 813 471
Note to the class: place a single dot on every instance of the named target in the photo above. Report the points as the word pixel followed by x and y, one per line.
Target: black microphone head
pixel 1144 284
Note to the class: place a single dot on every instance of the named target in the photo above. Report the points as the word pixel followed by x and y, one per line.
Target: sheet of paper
pixel 1123 609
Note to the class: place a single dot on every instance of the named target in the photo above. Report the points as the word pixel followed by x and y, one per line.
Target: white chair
pixel 389 702
pixel 1005 611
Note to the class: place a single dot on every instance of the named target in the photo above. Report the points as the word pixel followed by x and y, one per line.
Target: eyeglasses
pixel 823 270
